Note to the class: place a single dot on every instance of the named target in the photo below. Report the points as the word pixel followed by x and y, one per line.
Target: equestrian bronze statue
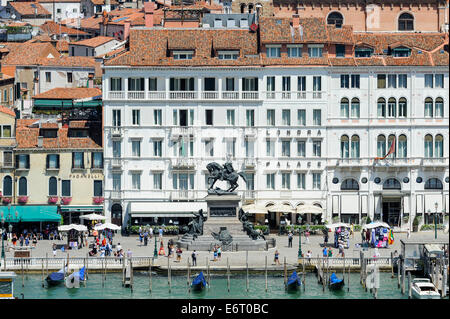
pixel 223 173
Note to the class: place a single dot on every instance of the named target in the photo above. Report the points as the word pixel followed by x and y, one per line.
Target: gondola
pixel 199 283
pixel 335 283
pixel 293 282
pixel 56 278
pixel 73 280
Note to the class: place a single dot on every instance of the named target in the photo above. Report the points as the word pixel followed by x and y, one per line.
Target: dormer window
pixel 363 52
pixel 217 23
pixel 183 55
pixel 315 51
pixel 335 18
pixel 340 50
pixel 47 133
pixel 401 52
pixel 294 51
pixel 78 133
pixel 228 55
pixel 273 51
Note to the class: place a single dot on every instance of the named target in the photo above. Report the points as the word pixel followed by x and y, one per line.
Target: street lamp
pixel 155 251
pixel 3 241
pixel 299 243
pixel 435 220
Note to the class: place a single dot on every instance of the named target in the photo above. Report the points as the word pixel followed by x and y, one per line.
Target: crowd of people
pixel 29 238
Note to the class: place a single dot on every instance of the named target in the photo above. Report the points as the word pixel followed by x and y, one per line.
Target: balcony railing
pixel 156 95
pixel 183 95
pixel 249 162
pixel 7 164
pixel 249 194
pixel 116 163
pixel 440 161
pixel 186 95
pixel 182 131
pixel 230 95
pixel 183 162
pixel 116 132
pixel 292 95
pixel 210 95
pixel 136 95
pixel 115 195
pixel 183 194
pixel 116 95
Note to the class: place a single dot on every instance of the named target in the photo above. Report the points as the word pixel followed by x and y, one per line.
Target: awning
pixel 56 103
pixel 81 208
pixel 30 213
pixel 166 209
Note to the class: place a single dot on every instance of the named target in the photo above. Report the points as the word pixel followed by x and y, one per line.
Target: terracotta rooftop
pixel 7 110
pixel 28 53
pixel 27 9
pixel 69 93
pixel 51 27
pixel 101 2
pixel 62 46
pixel 68 61
pixel 93 42
pixel 27 137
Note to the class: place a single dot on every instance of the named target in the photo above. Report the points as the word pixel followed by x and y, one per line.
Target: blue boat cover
pixel 199 279
pixel 294 278
pixel 334 279
pixel 81 273
pixel 56 276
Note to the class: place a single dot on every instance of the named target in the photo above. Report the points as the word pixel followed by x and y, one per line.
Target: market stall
pixel 381 234
pixel 341 234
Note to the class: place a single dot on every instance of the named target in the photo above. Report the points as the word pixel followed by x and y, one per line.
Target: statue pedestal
pixel 223 211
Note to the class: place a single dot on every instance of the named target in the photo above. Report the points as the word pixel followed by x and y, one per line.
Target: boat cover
pixel 199 279
pixel 56 276
pixel 334 279
pixel 293 278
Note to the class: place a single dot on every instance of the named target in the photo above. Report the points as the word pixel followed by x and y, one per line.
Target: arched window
pixel 391 139
pixel 433 183
pixel 355 108
pixel 335 18
pixel 22 186
pixel 402 146
pixel 344 107
pixel 381 145
pixel 405 22
pixel 402 107
pixel 391 183
pixel 350 184
pixel 439 146
pixel 250 7
pixel 428 146
pixel 52 186
pixel 344 146
pixel 392 106
pixel 428 107
pixel 439 107
pixel 355 146
pixel 7 186
pixel 381 107
pixel 243 5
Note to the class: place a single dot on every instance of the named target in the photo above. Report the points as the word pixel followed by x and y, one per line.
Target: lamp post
pixel 435 220
pixel 3 241
pixel 299 243
pixel 155 251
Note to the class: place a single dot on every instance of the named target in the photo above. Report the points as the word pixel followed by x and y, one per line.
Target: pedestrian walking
pixel 14 239
pixel 324 252
pixel 151 232
pixel 307 233
pixel 325 239
pixel 161 251
pixel 409 232
pixel 145 238
pixel 276 257
pixel 21 240
pixel 330 253
pixel 219 252
pixel 363 236
pixel 27 241
pixel 141 237
pixel 179 252
pixel 341 249
pixel 194 258
pixel 215 253
pixel 290 239
pixel 34 240
pixel 129 253
pixel 351 230
pixel 160 232
pixel 54 249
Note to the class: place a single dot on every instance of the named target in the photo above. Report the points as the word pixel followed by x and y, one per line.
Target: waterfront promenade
pixel 256 259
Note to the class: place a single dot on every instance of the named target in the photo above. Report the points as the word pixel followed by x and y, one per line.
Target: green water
pixel 113 288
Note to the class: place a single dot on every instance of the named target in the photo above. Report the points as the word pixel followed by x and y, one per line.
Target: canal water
pixel 112 288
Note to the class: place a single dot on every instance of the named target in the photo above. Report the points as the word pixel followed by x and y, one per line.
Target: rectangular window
pixel 273 51
pixel 301 180
pixel 286 83
pixel 183 55
pixel 136 84
pixel 317 117
pixel 65 188
pixel 301 148
pixel 115 84
pixel 69 77
pixel 209 84
pixel 439 81
pixel 294 51
pixel 77 160
pixel 209 117
pixel 316 181
pixel 340 50
pixel 429 81
pixel 52 161
pixel 286 148
pixel 381 81
pixel 209 147
pixel 317 145
pixel 117 182
pixel 153 84
pixel 136 114
pixel 286 117
pixel 345 81
pixel 301 115
pixel 23 161
pixel 250 84
pixel 229 84
pixel 48 77
pixel 402 81
pixel 98 188
pixel 315 52
pixel 250 116
pixel 230 117
pixel 7 159
pixel 231 147
pixel 157 148
pixel 270 181
pixel 157 117
pixel 392 81
pixel 355 81
pixel 301 83
pixel 271 117
pixel 270 148
pixel 116 118
pixel 286 180
pixel 249 148
pixel 117 149
pixel 136 181
pixel 228 55
pixel 136 148
pixel 97 159
pixel 157 180
pixel 6 131
pixel 317 83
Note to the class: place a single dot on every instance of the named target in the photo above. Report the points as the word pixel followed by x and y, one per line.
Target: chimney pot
pixel 295 20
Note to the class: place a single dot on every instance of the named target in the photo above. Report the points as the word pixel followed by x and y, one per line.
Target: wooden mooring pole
pixel 246 263
pixel 399 268
pixel 409 285
pixel 106 267
pixel 168 273
pixel 323 275
pixel 228 275
pixel 444 278
pixel 46 262
pixel 189 275
pixel 87 266
pixel 150 275
pixel 392 264
pixel 348 279
pixel 265 271
pixel 285 274
pixel 23 282
pixel 103 273
pixel 304 274
pixel 42 276
pixel 403 275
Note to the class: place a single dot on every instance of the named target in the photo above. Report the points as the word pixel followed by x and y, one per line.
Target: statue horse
pixel 224 173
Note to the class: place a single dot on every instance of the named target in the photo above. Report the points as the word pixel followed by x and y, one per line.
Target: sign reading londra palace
pixel 222 211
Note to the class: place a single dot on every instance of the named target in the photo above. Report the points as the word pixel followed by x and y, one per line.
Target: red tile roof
pixel 94 42
pixel 26 8
pixel 28 53
pixel 69 93
pixel 7 110
pixel 51 28
pixel 68 61
pixel 62 46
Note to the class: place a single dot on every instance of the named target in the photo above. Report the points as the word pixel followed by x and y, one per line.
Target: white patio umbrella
pixel 72 226
pixel 376 225
pixel 107 226
pixel 93 216
pixel 281 208
pixel 337 225
pixel 254 209
pixel 309 209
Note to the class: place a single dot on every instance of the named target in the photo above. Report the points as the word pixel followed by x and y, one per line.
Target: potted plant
pixel 405 219
pixel 6 200
pixel 52 199
pixel 335 219
pixel 368 220
pixel 416 223
pixel 98 200
pixel 22 199
pixel 66 200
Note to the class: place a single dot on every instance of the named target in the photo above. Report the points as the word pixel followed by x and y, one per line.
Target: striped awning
pixel 81 208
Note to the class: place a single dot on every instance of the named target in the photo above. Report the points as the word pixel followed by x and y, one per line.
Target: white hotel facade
pixel 300 135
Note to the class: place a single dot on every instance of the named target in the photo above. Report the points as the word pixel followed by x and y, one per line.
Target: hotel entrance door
pixel 391 212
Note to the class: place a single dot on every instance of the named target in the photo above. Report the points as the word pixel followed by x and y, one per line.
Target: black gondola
pixel 199 283
pixel 55 278
pixel 293 282
pixel 335 283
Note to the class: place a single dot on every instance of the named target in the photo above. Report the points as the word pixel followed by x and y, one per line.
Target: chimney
pixel 40 141
pixel 149 8
pixel 126 30
pixel 295 20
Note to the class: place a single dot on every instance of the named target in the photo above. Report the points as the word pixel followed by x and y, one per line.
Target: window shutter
pixel 28 161
pixel 82 160
pixel 57 160
pixel 73 160
pixel 17 161
pixel 47 160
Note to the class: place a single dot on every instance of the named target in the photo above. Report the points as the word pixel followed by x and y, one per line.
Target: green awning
pixel 56 103
pixel 29 213
pixel 82 208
